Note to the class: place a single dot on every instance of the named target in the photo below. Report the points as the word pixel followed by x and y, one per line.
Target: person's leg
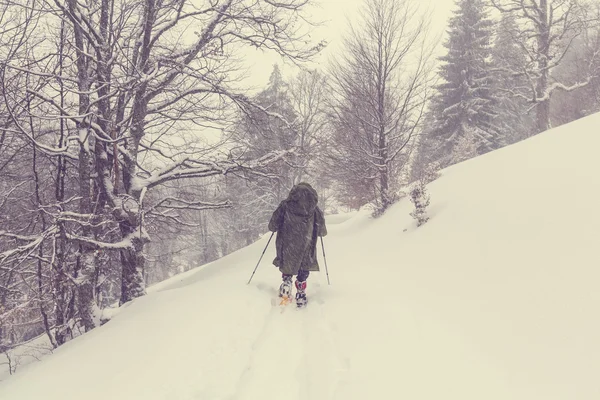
pixel 301 287
pixel 303 275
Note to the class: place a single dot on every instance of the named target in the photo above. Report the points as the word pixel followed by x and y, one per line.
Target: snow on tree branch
pixel 189 168
pixel 179 204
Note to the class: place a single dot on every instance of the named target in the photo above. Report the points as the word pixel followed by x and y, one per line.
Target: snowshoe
pixel 301 300
pixel 285 290
pixel 301 294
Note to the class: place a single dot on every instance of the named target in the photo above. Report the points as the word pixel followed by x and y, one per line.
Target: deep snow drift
pixel 496 297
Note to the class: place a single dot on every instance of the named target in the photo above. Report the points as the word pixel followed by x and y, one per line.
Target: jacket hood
pixel 302 199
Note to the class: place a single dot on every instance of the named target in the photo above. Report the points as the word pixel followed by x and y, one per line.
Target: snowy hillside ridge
pixel 494 298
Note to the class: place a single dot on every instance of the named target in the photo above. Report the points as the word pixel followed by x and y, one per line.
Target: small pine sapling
pixel 420 198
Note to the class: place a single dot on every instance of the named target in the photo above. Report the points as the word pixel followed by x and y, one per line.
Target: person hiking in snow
pixel 298 222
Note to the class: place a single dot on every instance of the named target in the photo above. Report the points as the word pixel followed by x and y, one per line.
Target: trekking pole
pixel 325 259
pixel 261 256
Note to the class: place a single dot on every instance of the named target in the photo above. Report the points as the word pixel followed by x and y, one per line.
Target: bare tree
pixel 121 102
pixel 546 31
pixel 309 94
pixel 576 67
pixel 507 56
pixel 25 278
pixel 380 88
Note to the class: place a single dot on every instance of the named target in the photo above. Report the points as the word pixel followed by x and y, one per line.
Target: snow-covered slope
pixel 496 297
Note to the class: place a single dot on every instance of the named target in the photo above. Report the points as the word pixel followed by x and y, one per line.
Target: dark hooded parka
pixel 298 222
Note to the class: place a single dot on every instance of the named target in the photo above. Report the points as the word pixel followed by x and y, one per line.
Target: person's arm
pixel 277 217
pixel 320 221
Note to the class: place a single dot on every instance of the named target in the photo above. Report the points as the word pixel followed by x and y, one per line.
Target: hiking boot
pixel 285 290
pixel 301 293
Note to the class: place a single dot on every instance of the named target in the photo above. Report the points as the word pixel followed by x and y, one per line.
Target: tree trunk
pixel 88 309
pixel 87 262
pixel 132 259
pixel 40 274
pixel 543 116
pixel 543 108
pixel 87 259
pixel 60 284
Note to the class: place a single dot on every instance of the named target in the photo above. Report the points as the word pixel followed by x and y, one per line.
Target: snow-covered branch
pixel 560 86
pixel 124 243
pixel 190 168
pixel 26 249
pixel 180 204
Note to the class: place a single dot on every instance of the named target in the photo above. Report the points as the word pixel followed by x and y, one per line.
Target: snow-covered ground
pixel 496 297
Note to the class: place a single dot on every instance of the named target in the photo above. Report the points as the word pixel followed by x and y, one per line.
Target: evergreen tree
pixel 420 198
pixel 509 64
pixel 272 127
pixel 260 131
pixel 464 106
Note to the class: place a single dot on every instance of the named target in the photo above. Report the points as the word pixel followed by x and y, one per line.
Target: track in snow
pixel 295 355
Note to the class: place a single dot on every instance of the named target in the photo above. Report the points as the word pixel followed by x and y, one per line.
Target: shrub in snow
pixel 420 198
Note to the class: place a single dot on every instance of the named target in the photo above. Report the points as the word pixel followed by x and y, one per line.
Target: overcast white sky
pixel 336 13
